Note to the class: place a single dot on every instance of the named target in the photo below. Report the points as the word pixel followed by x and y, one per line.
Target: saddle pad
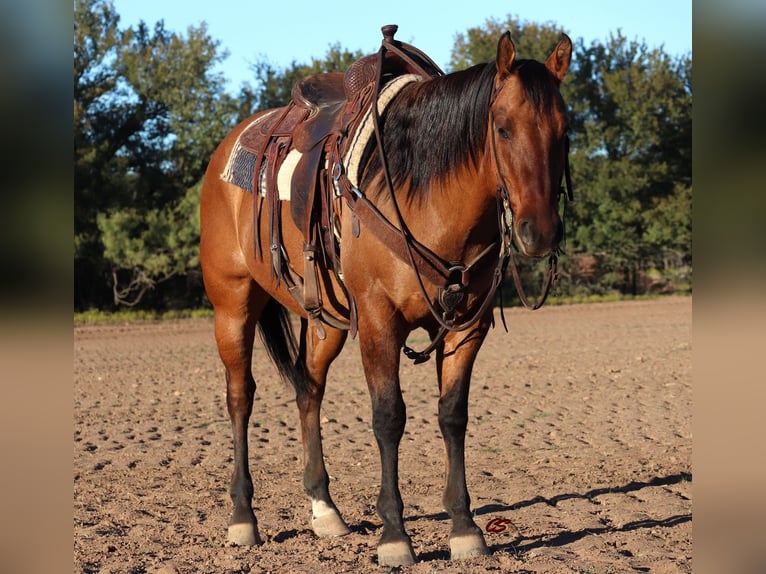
pixel 240 166
pixel 366 127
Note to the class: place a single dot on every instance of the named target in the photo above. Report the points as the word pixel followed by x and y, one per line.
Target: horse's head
pixel 528 131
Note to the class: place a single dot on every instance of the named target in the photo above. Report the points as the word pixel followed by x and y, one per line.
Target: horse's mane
pixel 435 127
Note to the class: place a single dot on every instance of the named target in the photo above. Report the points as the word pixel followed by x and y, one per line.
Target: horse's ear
pixel 558 61
pixel 506 52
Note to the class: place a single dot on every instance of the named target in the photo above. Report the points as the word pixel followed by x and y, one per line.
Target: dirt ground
pixel 578 451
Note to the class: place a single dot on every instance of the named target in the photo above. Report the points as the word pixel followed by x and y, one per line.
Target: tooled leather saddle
pixel 313 134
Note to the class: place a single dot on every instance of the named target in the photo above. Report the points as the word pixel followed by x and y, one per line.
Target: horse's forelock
pixel 538 83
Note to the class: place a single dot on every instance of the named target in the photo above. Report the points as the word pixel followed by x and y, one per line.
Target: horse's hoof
pixel 326 520
pixel 467 546
pixel 396 554
pixel 243 534
pixel 329 525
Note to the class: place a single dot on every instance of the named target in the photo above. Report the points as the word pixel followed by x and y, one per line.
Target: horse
pixel 462 167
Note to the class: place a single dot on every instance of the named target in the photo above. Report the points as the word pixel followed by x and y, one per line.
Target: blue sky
pixel 297 30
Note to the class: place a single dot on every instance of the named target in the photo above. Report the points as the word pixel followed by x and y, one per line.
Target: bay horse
pixel 469 163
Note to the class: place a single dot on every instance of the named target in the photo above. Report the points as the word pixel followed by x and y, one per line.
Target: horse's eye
pixel 503 133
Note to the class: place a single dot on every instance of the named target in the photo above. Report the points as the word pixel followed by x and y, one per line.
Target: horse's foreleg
pixel 380 357
pixel 325 520
pixel 234 336
pixel 454 364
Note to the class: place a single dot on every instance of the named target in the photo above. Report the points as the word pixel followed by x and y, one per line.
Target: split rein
pixel 453 278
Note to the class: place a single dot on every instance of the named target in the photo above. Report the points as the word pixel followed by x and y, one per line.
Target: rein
pixel 457 274
pixel 451 278
pixel 552 275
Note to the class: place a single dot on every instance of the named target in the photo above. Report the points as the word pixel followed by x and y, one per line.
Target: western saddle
pixel 319 123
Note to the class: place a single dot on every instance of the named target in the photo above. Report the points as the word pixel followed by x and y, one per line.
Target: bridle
pixel 505 215
pixel 451 278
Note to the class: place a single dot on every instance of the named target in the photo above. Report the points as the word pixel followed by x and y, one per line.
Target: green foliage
pixel 147 248
pixel 478 45
pixel 149 111
pixel 96 316
pixel 631 156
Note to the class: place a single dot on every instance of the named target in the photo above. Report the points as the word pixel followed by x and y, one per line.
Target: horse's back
pixel 228 217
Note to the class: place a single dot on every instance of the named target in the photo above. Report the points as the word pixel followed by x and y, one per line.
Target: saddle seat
pixel 320 89
pixel 333 104
pixel 334 100
pixel 323 96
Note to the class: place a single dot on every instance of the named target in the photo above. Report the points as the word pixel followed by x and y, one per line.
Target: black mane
pixel 436 126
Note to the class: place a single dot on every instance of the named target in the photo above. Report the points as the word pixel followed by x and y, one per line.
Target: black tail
pixel 277 335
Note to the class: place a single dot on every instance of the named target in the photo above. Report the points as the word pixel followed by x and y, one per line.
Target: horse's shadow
pixel 524 544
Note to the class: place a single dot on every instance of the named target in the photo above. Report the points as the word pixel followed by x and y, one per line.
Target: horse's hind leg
pixel 235 322
pixel 318 354
pixel 454 365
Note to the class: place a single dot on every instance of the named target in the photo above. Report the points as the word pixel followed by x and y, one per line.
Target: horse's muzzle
pixel 535 241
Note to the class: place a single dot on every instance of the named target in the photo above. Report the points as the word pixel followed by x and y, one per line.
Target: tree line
pixel 149 111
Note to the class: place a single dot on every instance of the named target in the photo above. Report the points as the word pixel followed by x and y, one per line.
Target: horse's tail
pixel 277 335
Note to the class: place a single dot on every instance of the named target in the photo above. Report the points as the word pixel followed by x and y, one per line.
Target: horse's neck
pixel 449 161
pixel 459 215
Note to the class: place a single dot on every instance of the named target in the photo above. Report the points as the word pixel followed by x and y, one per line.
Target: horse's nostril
pixel 526 232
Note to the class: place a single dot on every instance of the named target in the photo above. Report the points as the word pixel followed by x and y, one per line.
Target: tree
pixel 96 45
pixel 151 246
pixel 479 44
pixel 631 136
pixel 149 111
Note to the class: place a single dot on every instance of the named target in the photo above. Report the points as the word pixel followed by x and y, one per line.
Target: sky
pixel 283 32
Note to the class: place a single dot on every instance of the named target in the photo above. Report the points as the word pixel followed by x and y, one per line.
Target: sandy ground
pixel 578 451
